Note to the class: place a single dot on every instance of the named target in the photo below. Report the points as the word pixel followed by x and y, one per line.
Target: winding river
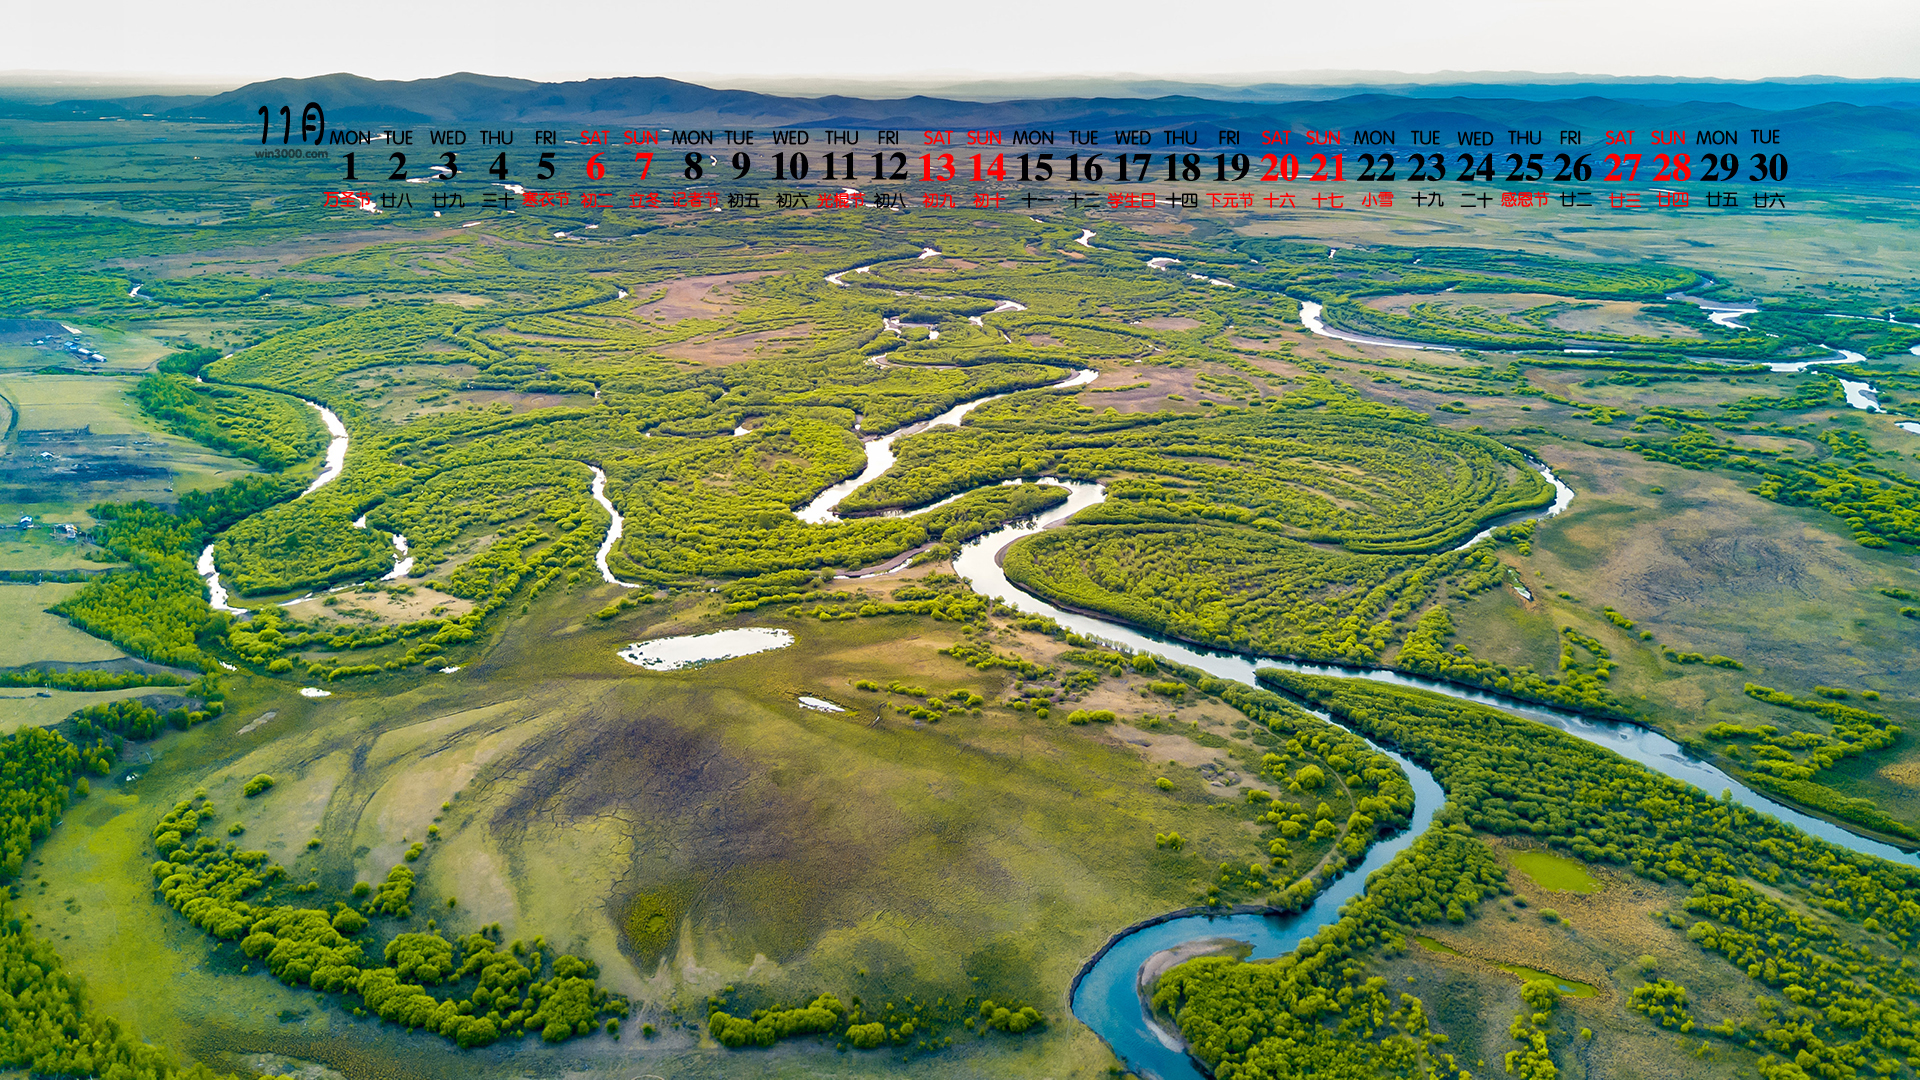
pixel 336 448
pixel 1859 395
pixel 1310 318
pixel 336 462
pixel 880 456
pixel 614 530
pixel 1105 994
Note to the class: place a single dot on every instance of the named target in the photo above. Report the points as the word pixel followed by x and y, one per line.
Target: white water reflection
pixel 688 650
pixel 1794 367
pixel 336 449
pixel 880 455
pixel 403 563
pixel 613 531
pixel 216 594
pixel 1861 395
pixel 1310 318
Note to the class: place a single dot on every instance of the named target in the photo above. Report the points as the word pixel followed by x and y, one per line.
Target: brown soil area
pixel 1152 397
pixel 708 296
pixel 375 605
pixel 721 351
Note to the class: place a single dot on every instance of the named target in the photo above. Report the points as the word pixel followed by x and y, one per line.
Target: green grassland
pixel 34 550
pixel 92 421
pixel 23 708
pixel 45 636
pixel 38 637
pixel 1551 871
pixel 678 792
pixel 1731 571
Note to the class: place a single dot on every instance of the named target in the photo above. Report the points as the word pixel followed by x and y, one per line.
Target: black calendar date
pixel 1322 157
pixel 1113 168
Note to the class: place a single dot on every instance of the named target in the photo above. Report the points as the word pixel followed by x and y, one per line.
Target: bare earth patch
pixel 708 296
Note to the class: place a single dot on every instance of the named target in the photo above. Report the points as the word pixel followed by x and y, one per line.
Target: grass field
pixel 1470 976
pixel 28 707
pixel 68 421
pixel 1551 871
pixel 758 841
pixel 37 549
pixel 45 636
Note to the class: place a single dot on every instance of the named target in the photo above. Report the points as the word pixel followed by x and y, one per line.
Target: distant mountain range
pixel 1840 132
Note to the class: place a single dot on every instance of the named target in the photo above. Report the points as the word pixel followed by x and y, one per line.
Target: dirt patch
pixel 1169 322
pixel 1129 395
pixel 383 605
pixel 1158 747
pixel 1546 311
pixel 708 296
pixel 1770 443
pixel 721 351
pixel 1906 774
pixel 459 299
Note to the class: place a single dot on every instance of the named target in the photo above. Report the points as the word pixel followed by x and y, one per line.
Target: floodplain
pixel 338 831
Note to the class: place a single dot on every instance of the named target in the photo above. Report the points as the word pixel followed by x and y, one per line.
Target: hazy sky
pixel 227 41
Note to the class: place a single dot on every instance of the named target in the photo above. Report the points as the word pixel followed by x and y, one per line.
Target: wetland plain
pixel 466 815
